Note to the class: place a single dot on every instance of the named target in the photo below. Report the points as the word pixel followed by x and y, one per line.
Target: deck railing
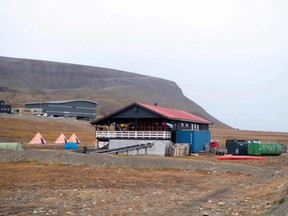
pixel 134 134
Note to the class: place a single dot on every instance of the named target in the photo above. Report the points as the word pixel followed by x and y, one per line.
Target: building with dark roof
pixel 72 108
pixel 4 108
pixel 143 122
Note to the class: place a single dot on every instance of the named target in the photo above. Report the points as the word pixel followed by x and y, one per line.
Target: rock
pixel 221 203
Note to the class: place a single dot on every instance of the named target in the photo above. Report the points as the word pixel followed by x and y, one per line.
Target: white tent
pixel 74 139
pixel 61 139
pixel 38 139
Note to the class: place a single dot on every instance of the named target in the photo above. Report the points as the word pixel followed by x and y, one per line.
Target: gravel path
pixel 147 162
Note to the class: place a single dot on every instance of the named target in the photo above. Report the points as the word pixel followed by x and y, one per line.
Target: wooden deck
pixel 134 134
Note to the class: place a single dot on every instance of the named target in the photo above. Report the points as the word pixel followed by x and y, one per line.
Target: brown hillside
pixel 15 128
pixel 23 81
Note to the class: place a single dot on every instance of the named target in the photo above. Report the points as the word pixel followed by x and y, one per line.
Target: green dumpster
pixel 264 149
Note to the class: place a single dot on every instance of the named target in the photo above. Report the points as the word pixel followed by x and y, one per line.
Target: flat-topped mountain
pixel 23 81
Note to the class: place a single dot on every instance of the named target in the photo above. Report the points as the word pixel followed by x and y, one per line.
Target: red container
pixel 214 144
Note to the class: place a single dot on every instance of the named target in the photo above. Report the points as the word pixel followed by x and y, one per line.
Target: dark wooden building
pixel 139 121
pixel 4 108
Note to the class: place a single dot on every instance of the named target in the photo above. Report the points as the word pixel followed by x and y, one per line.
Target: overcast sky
pixel 230 57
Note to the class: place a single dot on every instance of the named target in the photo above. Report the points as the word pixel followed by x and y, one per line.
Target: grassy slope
pixel 21 129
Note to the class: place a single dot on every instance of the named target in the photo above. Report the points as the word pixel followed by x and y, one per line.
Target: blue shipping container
pixel 196 139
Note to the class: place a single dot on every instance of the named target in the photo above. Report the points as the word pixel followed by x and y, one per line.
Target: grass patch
pixel 279 201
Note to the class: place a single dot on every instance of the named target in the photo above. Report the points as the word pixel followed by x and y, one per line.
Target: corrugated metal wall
pixel 196 139
pixel 70 108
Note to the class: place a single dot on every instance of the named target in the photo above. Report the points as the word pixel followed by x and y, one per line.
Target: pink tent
pixel 38 139
pixel 74 138
pixel 61 139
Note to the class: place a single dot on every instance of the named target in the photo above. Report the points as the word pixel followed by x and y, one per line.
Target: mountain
pixel 24 81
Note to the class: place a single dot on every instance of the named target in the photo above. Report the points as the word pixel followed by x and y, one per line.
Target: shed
pixel 196 139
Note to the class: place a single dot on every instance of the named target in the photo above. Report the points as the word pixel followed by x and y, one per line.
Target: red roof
pixel 175 114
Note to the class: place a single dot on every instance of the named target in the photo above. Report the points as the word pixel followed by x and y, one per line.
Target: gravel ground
pixel 105 160
pixel 34 182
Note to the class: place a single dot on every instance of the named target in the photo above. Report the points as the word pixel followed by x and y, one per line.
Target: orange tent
pixel 61 139
pixel 74 139
pixel 38 139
